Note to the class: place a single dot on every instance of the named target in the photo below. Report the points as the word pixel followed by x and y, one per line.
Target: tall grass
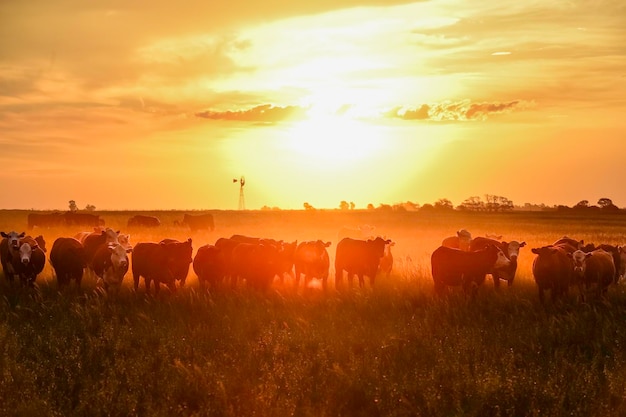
pixel 394 350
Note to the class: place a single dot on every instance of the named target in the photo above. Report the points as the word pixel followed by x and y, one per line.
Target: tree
pixel 90 207
pixel 443 204
pixel 307 206
pixel 352 205
pixel 607 204
pixel 473 203
pixel 370 206
pixel 581 205
pixel 344 205
pixel 73 206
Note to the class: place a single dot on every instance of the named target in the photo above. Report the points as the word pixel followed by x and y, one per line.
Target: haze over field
pixel 146 105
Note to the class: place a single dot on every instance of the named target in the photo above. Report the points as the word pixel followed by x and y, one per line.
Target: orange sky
pixel 155 106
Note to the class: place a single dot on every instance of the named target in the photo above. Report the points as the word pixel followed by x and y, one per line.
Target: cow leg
pixel 297 280
pixel 496 281
pixel 136 281
pixel 338 278
pixel 361 281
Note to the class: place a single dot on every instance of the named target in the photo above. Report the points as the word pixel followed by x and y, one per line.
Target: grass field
pixel 391 350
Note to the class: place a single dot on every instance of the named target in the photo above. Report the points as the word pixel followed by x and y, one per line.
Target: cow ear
pixel 22 234
pixel 521 245
pixel 189 240
pixel 587 255
pixel 3 234
pixel 327 244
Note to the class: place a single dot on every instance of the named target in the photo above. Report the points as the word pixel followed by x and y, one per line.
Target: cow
pixel 82 219
pixel 36 241
pixel 594 268
pixel 286 251
pixel 617 252
pixel 552 270
pixel 386 262
pixel 110 263
pixel 511 251
pixel 9 249
pixel 461 241
pixel 28 264
pixel 199 222
pixel 227 246
pixel 140 220
pixel 45 220
pixel 568 244
pixel 155 261
pixel 362 232
pixel 68 259
pixel 256 263
pixel 209 264
pixel 358 257
pixel 456 267
pixel 311 259
pixel 179 266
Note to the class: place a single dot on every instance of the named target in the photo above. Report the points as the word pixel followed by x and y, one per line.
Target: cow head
pixel 512 249
pixel 25 252
pixel 579 257
pixel 119 258
pixel 124 240
pixel 13 239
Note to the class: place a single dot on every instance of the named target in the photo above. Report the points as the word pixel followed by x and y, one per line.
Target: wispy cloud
pixel 455 111
pixel 261 113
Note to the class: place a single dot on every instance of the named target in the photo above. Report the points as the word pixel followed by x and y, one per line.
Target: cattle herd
pixel 460 261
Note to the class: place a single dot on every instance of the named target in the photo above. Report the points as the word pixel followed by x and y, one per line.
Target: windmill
pixel 242 199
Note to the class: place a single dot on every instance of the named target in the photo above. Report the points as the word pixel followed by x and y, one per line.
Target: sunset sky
pixel 160 104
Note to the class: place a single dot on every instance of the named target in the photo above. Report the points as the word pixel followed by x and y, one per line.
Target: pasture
pixel 392 350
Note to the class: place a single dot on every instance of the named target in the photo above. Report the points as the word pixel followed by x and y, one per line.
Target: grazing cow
pixel 256 263
pixel 140 220
pixel 82 219
pixel 595 268
pixel 9 249
pixel 29 263
pixel 510 250
pixel 360 257
pixel 199 222
pixel 362 232
pixel 157 262
pixel 179 266
pixel 311 259
pixel 456 267
pixel 110 263
pixel 461 241
pixel 386 262
pixel 45 220
pixel 552 270
pixel 68 260
pixel 209 264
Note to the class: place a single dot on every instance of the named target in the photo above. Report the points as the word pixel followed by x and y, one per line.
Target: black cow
pixel 455 267
pixel 199 222
pixel 553 270
pixel 155 261
pixel 82 219
pixel 311 259
pixel 179 266
pixel 45 220
pixel 209 264
pixel 68 259
pixel 141 220
pixel 256 263
pixel 358 257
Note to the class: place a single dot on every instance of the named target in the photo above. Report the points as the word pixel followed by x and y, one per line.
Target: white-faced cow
pixel 511 251
pixel 68 260
pixel 461 241
pixel 553 270
pixel 29 263
pixel 593 269
pixel 110 263
pixel 456 267
pixel 9 250
pixel 358 257
pixel 311 259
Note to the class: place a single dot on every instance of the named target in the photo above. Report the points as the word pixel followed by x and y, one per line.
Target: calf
pixel 456 267
pixel 461 241
pixel 595 268
pixel 358 257
pixel 157 262
pixel 209 264
pixel 9 249
pixel 68 260
pixel 511 251
pixel 553 271
pixel 110 263
pixel 311 259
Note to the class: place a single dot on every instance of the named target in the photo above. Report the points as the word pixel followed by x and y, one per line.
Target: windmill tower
pixel 242 199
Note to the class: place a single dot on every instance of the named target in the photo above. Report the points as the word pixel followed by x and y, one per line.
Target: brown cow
pixel 461 241
pixel 552 270
pixel 110 263
pixel 9 249
pixel 386 262
pixel 29 263
pixel 179 266
pixel 456 267
pixel 358 257
pixel 256 263
pixel 199 222
pixel 45 220
pixel 591 269
pixel 154 261
pixel 311 259
pixel 140 220
pixel 209 264
pixel 286 252
pixel 68 260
